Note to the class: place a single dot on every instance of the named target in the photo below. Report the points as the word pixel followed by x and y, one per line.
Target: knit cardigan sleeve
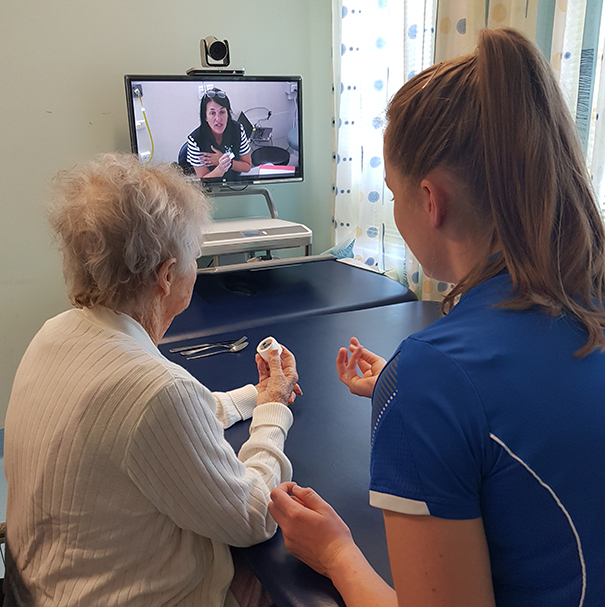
pixel 235 405
pixel 179 459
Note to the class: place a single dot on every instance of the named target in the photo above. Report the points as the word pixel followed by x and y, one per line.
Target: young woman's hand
pixel 312 530
pixel 360 382
pixel 316 535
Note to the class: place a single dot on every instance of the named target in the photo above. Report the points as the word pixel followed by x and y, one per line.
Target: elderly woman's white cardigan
pixel 121 487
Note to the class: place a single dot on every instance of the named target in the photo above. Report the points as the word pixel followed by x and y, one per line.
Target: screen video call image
pixel 226 130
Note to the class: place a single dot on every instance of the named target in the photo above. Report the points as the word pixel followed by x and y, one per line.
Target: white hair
pixel 117 221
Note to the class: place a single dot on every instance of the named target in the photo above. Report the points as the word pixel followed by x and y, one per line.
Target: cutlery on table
pixel 235 347
pixel 194 349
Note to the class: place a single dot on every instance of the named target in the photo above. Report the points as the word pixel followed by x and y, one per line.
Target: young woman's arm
pixel 316 535
pixel 438 562
pixel 435 562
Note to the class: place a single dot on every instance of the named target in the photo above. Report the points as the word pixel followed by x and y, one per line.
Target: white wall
pixel 62 101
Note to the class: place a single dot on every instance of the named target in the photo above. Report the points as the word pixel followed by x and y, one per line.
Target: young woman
pixel 218 148
pixel 489 425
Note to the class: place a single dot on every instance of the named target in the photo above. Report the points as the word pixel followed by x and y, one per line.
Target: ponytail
pixel 498 121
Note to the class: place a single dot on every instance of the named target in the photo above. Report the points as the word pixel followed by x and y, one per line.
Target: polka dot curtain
pixel 372 61
pixel 380 44
pixel 569 32
pixel 459 22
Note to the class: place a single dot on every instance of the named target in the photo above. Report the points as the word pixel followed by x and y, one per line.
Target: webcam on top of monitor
pixel 215 58
pixel 214 52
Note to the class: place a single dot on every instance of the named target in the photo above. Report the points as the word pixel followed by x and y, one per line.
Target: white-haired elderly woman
pixel 121 487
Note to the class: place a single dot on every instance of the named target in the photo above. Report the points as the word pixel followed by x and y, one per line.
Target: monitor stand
pixel 249 235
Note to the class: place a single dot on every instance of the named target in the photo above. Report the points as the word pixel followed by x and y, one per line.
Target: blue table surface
pixel 260 295
pixel 329 443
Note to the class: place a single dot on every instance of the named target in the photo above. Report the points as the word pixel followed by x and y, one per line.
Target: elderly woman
pixel 121 487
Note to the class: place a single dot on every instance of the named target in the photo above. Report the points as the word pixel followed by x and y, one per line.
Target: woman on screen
pixel 219 147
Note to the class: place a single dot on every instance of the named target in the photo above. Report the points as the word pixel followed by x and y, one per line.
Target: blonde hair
pixel 117 221
pixel 497 120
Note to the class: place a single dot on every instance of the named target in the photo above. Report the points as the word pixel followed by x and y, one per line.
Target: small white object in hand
pixel 267 345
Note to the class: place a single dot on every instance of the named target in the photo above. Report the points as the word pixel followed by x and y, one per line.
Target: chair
pixel 182 161
pixel 269 154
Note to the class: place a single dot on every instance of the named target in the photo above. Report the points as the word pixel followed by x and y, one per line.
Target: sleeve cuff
pixel 244 400
pixel 395 503
pixel 272 414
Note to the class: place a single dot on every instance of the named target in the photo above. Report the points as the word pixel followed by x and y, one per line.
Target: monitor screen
pixel 221 129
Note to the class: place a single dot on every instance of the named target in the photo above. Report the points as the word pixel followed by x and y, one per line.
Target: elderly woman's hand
pixel 277 378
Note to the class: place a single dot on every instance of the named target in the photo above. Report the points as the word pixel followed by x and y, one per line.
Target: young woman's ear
pixel 437 195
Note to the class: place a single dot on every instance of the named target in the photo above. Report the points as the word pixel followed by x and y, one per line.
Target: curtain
pixel 577 55
pixel 595 154
pixel 380 44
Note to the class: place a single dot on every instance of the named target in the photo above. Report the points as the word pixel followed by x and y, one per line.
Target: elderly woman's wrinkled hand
pixel 277 378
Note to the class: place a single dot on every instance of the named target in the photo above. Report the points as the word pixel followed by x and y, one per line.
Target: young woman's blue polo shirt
pixel 488 413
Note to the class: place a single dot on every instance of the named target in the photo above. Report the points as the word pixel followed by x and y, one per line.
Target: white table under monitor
pixel 255 234
pixel 252 234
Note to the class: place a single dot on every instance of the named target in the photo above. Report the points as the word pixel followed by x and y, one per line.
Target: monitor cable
pixel 137 92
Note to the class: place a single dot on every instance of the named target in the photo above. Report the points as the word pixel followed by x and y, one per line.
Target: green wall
pixel 62 101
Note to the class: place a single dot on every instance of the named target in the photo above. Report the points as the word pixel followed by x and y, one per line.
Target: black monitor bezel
pixel 298 176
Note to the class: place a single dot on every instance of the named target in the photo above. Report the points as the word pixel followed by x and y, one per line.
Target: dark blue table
pixel 261 293
pixel 329 443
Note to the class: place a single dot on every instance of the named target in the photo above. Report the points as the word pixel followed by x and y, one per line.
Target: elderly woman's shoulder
pixel 107 347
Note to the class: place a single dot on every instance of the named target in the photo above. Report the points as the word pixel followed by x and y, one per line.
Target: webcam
pixel 214 52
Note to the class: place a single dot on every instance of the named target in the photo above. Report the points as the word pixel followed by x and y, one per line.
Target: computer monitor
pixel 260 130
